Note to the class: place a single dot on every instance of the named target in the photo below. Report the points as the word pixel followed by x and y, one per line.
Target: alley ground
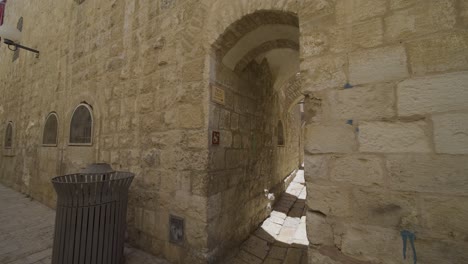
pixel 27 230
pixel 282 238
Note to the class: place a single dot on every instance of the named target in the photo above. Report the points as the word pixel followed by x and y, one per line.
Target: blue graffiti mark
pixel 347 86
pixel 349 122
pixel 407 235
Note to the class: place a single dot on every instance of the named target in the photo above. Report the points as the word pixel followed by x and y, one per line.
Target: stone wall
pixel 248 164
pixel 386 130
pixel 384 155
pixel 135 64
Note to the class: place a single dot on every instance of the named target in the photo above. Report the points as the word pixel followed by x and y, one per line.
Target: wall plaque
pixel 176 230
pixel 217 95
pixel 215 138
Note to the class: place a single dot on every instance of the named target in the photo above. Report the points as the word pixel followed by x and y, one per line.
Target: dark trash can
pixel 91 217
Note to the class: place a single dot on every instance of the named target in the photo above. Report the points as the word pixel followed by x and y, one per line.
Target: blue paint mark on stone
pixel 407 235
pixel 349 122
pixel 347 86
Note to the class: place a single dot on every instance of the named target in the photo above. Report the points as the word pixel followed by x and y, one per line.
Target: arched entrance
pixel 255 125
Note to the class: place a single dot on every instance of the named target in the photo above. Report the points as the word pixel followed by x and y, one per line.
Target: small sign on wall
pixel 215 138
pixel 176 230
pixel 217 95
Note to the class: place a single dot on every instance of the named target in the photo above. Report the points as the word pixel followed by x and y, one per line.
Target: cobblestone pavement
pixel 27 229
pixel 282 238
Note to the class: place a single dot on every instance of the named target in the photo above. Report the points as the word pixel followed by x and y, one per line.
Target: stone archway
pixel 254 67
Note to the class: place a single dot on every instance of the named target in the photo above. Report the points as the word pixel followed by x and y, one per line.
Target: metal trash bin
pixel 91 217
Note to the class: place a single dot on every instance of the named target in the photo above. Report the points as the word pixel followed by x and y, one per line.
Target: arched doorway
pixel 255 124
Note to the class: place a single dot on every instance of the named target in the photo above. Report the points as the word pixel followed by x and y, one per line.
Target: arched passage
pixel 253 63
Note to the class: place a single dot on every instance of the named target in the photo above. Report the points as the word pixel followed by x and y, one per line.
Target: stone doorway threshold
pixel 27 230
pixel 282 237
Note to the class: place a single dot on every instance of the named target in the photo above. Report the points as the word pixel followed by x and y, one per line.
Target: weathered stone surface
pixel 432 94
pixel 352 11
pixel 386 208
pixel 399 4
pixel 439 53
pixel 428 173
pixel 314 9
pixel 319 230
pixel 316 42
pixel 451 133
pixel 316 167
pixel 329 200
pixel 362 103
pixel 322 73
pixel 378 65
pixel 147 66
pixel 366 242
pixel 393 137
pixel 368 34
pixel 330 139
pixel 432 16
pixel 359 170
pixel 463 13
pixel 445 216
pixel 330 256
pixel 440 251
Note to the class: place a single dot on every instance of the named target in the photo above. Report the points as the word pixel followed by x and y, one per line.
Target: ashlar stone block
pixel 330 139
pixel 319 230
pixel 446 216
pixel 393 137
pixel 432 94
pixel 377 206
pixel 363 170
pixel 378 65
pixel 451 133
pixel 428 173
pixel 420 19
pixel 438 53
pixel 363 103
pixel 322 73
pixel 367 242
pixel 368 34
pixel 316 167
pixel 358 10
pixel 329 200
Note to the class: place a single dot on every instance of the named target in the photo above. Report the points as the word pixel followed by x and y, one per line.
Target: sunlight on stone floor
pixel 282 238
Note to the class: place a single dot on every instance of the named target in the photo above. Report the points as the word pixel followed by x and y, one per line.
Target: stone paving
pixel 26 232
pixel 27 229
pixel 282 238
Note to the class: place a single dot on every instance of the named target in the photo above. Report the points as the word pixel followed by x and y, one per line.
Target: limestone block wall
pixel 386 131
pixel 248 160
pixel 140 67
pixel 386 154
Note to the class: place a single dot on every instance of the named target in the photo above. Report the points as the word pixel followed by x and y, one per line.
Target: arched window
pixel 81 127
pixel 9 136
pixel 49 137
pixel 280 133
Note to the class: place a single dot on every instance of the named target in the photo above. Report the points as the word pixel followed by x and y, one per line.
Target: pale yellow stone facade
pixel 384 130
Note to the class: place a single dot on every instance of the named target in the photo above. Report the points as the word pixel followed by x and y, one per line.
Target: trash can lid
pixel 89 178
